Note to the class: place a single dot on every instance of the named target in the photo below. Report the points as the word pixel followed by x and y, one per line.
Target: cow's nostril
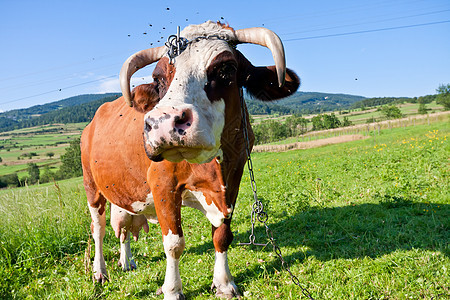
pixel 148 127
pixel 183 122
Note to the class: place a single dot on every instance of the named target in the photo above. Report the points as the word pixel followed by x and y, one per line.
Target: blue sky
pixel 52 50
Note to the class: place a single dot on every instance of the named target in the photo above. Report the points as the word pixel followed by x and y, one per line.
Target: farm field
pixel 40 140
pixel 361 220
pixel 358 116
pixel 48 142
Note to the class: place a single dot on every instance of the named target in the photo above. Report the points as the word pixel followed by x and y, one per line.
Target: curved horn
pixel 267 38
pixel 134 63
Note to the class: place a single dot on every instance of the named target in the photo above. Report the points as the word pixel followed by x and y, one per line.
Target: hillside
pixel 37 110
pixel 304 103
pixel 71 110
pixel 82 108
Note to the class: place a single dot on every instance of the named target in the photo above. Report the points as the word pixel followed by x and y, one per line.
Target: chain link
pixel 177 44
pixel 258 212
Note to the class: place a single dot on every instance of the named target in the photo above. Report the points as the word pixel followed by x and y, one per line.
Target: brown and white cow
pixel 180 145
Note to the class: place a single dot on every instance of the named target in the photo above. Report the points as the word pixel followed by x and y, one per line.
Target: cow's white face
pixel 186 124
pixel 193 97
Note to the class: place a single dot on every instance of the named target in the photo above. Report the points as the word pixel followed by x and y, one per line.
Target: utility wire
pixel 364 23
pixel 365 31
pixel 286 40
pixel 58 90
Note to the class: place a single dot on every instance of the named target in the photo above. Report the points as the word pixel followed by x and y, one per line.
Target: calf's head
pixel 195 94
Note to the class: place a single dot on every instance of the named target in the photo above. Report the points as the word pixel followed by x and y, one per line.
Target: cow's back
pixel 113 156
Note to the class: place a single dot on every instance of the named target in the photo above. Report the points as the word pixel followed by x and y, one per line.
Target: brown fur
pixel 116 167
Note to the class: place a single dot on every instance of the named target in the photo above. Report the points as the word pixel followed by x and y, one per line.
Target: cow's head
pixel 198 92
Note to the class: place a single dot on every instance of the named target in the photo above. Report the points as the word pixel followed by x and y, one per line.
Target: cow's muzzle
pixel 167 134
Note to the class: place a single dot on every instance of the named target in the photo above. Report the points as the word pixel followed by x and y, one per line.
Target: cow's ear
pixel 262 82
pixel 145 97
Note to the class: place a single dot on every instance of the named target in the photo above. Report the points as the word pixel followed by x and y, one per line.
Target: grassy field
pixel 360 220
pixel 40 140
pixel 55 138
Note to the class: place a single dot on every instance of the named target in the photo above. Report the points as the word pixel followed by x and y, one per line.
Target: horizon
pixel 105 93
pixel 370 49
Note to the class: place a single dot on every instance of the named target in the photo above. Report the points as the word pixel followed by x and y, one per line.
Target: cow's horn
pixel 267 38
pixel 134 63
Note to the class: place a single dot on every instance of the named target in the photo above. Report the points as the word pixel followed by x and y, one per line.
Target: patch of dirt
pixel 310 144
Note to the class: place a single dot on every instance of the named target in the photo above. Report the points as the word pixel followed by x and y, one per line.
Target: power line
pixel 364 23
pixel 364 31
pixel 57 90
pixel 286 40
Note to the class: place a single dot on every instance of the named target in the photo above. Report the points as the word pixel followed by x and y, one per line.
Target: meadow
pixel 40 140
pixel 367 219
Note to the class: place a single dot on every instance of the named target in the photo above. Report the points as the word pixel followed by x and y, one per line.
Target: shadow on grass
pixel 356 231
pixel 366 230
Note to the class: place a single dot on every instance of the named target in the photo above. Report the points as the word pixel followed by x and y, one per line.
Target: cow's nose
pixel 169 120
pixel 182 122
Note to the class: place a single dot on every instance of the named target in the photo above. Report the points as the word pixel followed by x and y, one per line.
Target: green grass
pixel 360 220
pixel 20 169
pixel 408 109
pixel 37 140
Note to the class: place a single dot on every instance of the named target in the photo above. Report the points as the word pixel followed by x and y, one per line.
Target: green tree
pixel 50 154
pixel 443 96
pixel 422 109
pixel 331 121
pixel 391 112
pixel 33 172
pixel 346 122
pixel 71 161
pixel 317 122
pixel 47 175
pixel 9 180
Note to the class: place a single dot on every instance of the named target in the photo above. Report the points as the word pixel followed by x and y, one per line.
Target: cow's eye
pixel 226 73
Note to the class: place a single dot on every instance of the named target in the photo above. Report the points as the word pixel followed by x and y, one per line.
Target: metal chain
pixel 258 212
pixel 177 44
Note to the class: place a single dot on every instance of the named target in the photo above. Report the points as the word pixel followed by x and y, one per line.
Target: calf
pixel 180 144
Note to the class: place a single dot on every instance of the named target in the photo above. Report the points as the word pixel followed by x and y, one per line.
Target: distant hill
pixel 304 103
pixel 37 110
pixel 82 108
pixel 63 111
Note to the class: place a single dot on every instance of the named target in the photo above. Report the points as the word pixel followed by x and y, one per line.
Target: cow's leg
pixel 222 280
pixel 121 222
pixel 98 215
pixel 168 210
pixel 126 260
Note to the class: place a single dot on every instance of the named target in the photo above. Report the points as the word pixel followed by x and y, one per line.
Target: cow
pixel 178 141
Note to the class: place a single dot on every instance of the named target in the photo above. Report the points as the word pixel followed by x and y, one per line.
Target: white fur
pixel 187 92
pixel 197 200
pixel 222 279
pixel 146 208
pixel 173 247
pixel 99 224
pixel 126 260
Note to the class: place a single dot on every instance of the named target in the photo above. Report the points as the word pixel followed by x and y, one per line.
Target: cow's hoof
pixel 100 278
pixel 127 265
pixel 178 296
pixel 228 291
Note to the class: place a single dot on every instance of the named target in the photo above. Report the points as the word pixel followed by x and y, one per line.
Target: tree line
pixel 271 130
pixel 71 114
